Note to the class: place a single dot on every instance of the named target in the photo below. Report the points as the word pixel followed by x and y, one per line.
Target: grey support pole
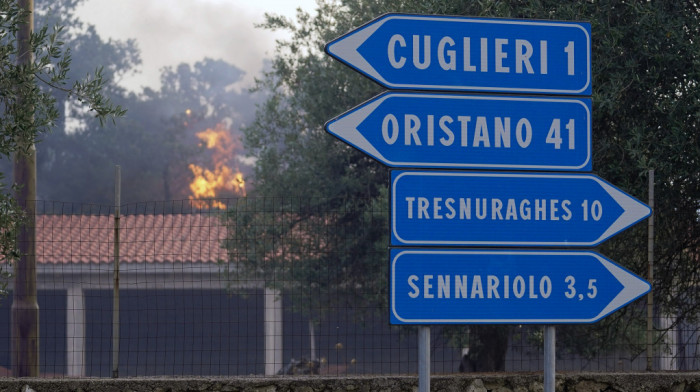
pixel 423 358
pixel 549 358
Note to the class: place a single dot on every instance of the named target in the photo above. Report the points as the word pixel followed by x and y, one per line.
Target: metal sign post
pixel 424 358
pixel 550 358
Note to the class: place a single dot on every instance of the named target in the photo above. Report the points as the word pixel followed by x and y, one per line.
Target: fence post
pixel 273 331
pixel 115 303
pixel 650 275
pixel 75 332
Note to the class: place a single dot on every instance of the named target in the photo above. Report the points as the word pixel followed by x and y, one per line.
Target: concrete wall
pixel 576 382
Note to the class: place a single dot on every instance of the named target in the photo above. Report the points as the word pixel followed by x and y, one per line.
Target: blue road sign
pixel 509 287
pixel 424 52
pixel 470 131
pixel 433 208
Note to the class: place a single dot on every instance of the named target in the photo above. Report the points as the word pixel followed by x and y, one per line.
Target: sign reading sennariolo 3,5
pixel 439 286
pixel 451 131
pixel 433 208
pixel 433 52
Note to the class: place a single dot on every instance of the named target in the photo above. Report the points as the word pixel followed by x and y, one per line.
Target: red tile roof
pixel 83 239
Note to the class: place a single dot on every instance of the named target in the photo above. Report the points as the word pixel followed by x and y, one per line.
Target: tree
pixel 32 65
pixel 34 82
pixel 203 97
pixel 328 234
pixel 154 144
pixel 156 141
pixel 87 52
pixel 645 105
pixel 29 109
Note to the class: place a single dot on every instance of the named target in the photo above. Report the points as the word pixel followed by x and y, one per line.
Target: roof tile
pixel 83 239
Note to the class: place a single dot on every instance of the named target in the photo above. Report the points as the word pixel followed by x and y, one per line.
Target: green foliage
pixel 29 108
pixel 154 143
pixel 309 249
pixel 344 191
pixel 11 219
pixel 28 81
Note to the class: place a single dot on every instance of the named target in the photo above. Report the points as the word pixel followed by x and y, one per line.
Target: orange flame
pixel 223 178
pixel 218 139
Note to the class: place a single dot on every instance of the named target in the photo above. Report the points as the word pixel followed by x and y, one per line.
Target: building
pixel 179 315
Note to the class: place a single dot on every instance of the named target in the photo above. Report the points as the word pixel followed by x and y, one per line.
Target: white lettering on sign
pixel 481 208
pixel 391 51
pixel 464 131
pixel 473 131
pixel 481 286
pixel 519 55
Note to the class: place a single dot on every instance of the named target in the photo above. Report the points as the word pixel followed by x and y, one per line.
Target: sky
pixel 170 32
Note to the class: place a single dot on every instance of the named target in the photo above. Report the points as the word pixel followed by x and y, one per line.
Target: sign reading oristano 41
pixel 451 131
pixel 429 52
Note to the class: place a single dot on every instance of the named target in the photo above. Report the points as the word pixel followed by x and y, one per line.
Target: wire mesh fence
pixel 264 286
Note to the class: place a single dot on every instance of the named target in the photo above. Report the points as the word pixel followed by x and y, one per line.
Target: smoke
pixel 170 32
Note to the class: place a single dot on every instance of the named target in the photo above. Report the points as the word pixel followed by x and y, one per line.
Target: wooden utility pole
pixel 25 308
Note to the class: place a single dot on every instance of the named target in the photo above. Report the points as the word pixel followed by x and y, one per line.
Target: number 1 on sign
pixel 569 49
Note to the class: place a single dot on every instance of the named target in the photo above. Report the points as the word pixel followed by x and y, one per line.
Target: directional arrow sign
pixel 422 52
pixel 514 287
pixel 470 131
pixel 507 209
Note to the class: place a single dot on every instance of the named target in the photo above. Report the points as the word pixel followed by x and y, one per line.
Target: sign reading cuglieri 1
pixel 432 52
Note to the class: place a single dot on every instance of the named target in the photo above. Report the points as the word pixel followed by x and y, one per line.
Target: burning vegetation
pixel 224 179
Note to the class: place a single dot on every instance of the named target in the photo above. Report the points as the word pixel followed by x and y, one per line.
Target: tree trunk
pixel 25 308
pixel 489 352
